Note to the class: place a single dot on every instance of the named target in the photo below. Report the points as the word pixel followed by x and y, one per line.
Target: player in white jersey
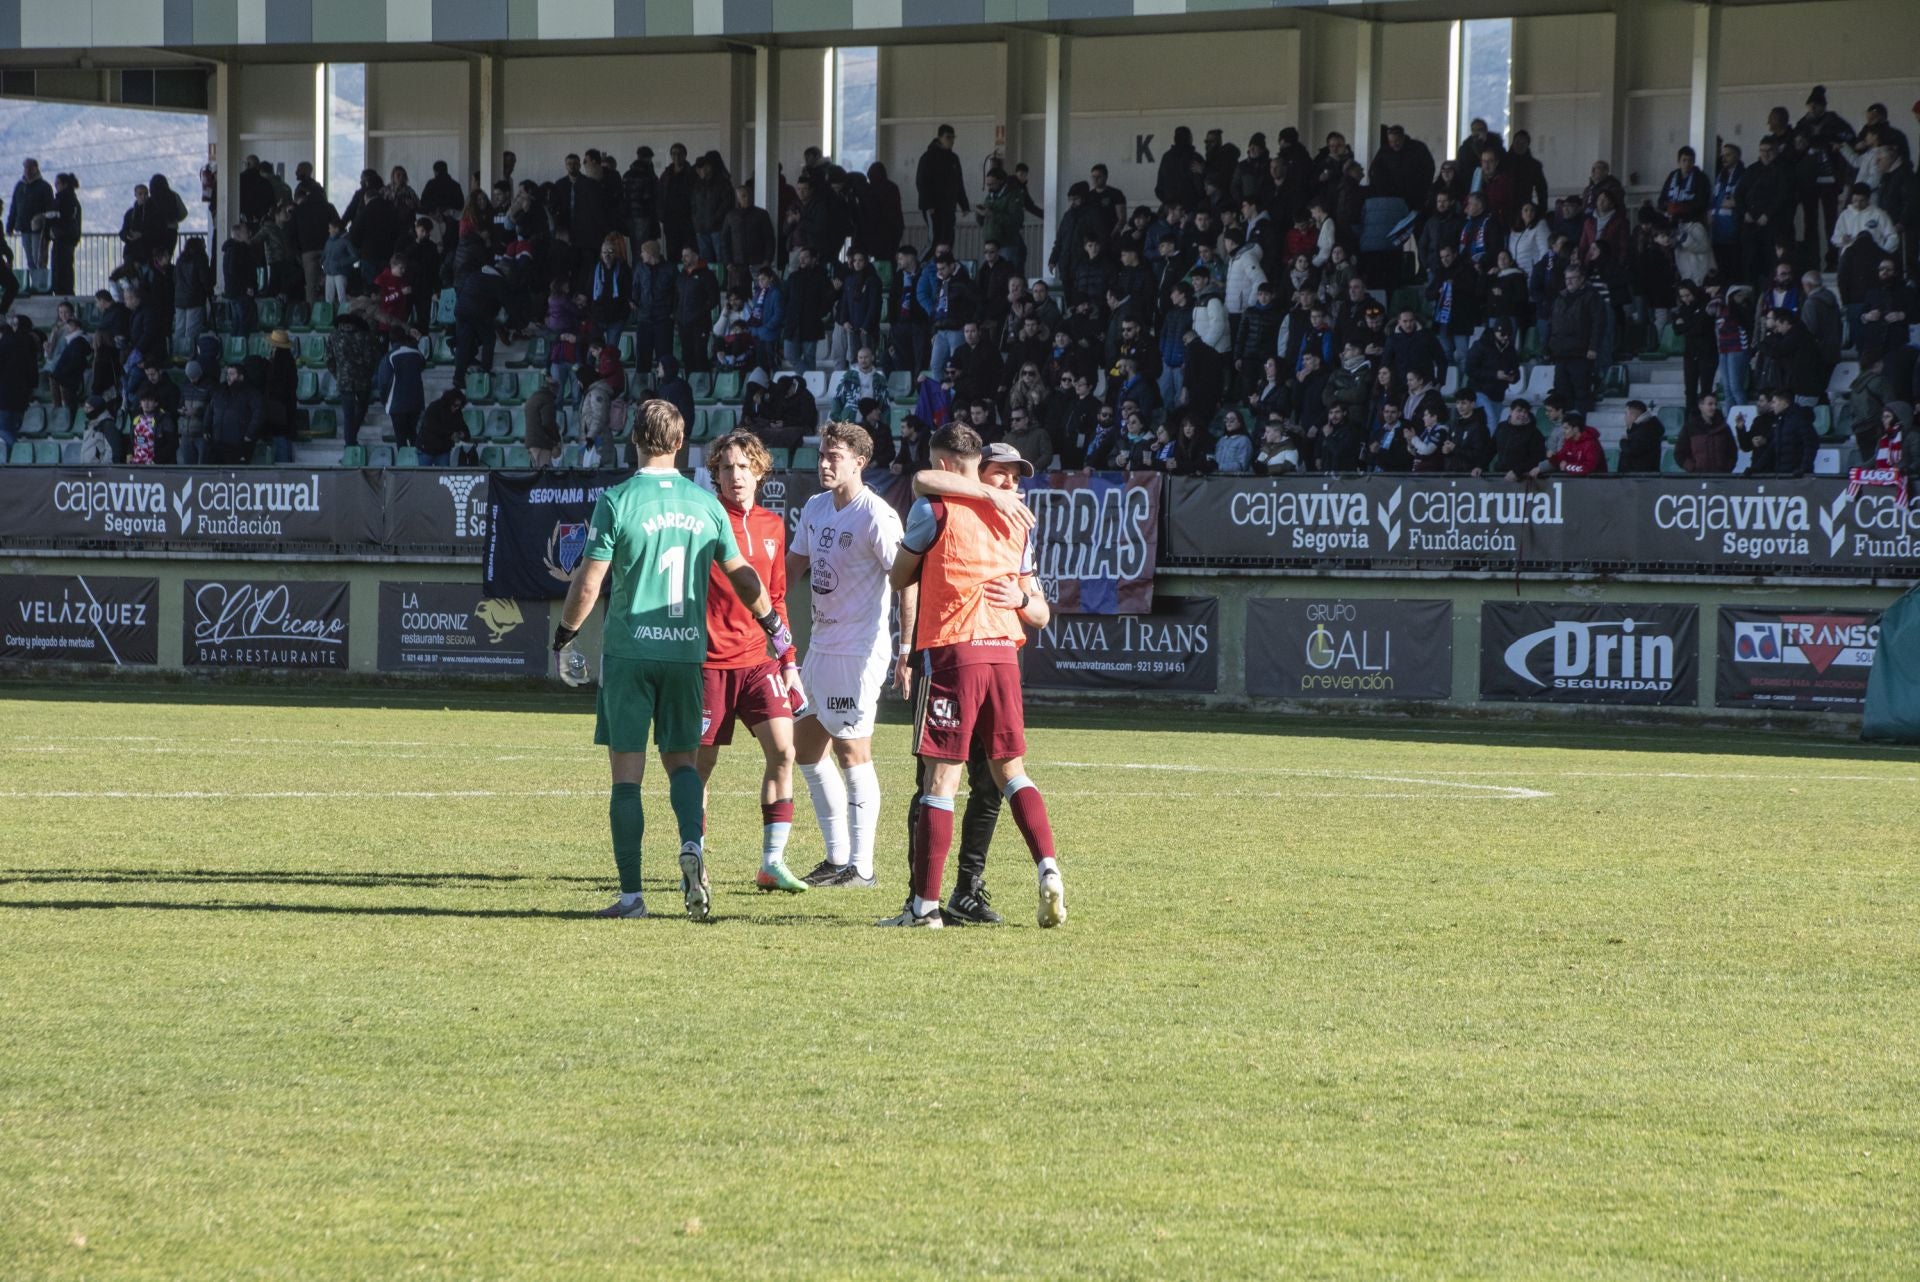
pixel 843 547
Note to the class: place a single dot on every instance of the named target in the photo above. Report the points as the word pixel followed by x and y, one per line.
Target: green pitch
pixel 300 985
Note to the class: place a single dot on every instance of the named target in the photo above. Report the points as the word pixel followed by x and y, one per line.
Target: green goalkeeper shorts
pixel 641 694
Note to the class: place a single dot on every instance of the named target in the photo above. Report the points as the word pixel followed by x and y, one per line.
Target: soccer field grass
pixel 300 984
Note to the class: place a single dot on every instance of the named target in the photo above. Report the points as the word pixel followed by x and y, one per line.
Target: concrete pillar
pixel 223 140
pixel 1306 56
pixel 1366 90
pixel 1058 141
pixel 1703 117
pixel 739 118
pixel 1612 53
pixel 766 130
pixel 486 125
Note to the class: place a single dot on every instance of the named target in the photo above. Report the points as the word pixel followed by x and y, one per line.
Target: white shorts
pixel 843 691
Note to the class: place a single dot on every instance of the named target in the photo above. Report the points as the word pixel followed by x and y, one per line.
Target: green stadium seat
pixel 46 453
pixel 34 422
pixel 476 421
pixel 494 456
pixel 782 458
pixel 22 453
pixel 727 386
pixel 380 456
pixel 443 308
pixel 900 387
pixel 306 388
pixel 180 349
pixel 884 270
pixel 479 387
pixel 64 423
pixel 538 349
pixel 1823 419
pixel 353 456
pixel 702 388
pixel 320 316
pixel 323 422
pixel 263 454
pixel 329 387
pixel 506 389
pixel 517 457
pixel 406 456
pixel 1668 463
pixel 570 456
pixel 499 425
pixel 313 350
pixel 43 388
pixel 805 459
pixel 271 315
pixel 1672 419
pixel 70 453
pixel 257 345
pixel 442 349
pixel 233 349
pixel 626 349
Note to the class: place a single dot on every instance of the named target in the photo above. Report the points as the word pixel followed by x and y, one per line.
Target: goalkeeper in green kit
pixel 656 535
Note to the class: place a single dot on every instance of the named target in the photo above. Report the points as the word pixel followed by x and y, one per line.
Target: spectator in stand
pixel 1829 142
pixel 236 414
pixel 808 311
pixel 1580 452
pixel 443 424
pixel 400 385
pixel 27 215
pixel 1788 357
pixel 1641 446
pixel 1684 196
pixel 1795 441
pixel 354 354
pixel 747 237
pixel 1403 168
pixel 19 375
pixel 196 394
pixel 1468 447
pixel 1027 435
pixel 941 187
pixel 1427 437
pixel 1455 294
pixel 1706 446
pixel 393 293
pixel 1765 199
pixel 858 308
pixel 63 226
pixel 1492 369
pixel 1820 313
pixel 696 294
pixel 1574 332
pixel 1518 446
pixel 861 381
pixel 1887 310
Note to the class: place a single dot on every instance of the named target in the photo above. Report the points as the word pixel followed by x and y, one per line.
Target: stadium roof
pixel 106 31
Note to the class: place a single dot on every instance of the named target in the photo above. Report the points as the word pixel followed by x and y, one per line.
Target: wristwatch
pixel 1024 598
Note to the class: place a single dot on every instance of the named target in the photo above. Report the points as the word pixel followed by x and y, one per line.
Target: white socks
pixel 1046 866
pixel 921 907
pixel 863 807
pixel 829 807
pixel 773 843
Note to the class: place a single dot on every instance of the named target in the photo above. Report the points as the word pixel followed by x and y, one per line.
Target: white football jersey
pixel 849 551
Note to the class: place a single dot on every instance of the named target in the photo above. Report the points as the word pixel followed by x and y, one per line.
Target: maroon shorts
pixel 752 694
pixel 971 704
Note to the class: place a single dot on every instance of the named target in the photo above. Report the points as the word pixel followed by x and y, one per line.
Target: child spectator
pixel 336 261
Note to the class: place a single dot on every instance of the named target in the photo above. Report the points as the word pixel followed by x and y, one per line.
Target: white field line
pixel 1493 792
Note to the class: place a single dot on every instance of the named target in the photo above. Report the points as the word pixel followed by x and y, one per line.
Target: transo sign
pixel 1728 525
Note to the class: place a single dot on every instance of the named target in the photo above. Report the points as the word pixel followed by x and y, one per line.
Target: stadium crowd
pixel 1268 309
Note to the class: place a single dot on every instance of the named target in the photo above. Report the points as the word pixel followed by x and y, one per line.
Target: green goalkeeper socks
pixel 689 798
pixel 629 821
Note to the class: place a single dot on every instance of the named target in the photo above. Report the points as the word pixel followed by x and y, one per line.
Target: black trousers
pixel 1699 371
pixel 63 266
pixel 693 348
pixel 912 345
pixel 977 822
pixel 1575 378
pixel 940 224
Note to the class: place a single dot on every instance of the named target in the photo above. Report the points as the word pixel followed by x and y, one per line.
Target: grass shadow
pixel 342 910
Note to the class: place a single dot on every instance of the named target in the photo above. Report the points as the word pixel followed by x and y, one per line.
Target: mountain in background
pixel 109 149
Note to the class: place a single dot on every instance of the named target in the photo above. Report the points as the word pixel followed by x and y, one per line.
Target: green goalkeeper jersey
pixel 662 533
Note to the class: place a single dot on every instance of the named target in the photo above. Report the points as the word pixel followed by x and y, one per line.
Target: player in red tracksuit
pixel 740 680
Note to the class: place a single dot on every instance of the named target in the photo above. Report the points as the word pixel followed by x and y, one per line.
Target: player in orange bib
pixel 975 574
pixel 740 680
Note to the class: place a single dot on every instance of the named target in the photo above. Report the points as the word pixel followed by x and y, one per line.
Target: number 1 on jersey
pixel 673 564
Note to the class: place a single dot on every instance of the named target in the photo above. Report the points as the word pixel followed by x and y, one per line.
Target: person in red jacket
pixel 395 292
pixel 740 680
pixel 1580 452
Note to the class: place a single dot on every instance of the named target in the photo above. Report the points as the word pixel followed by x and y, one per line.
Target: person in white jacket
pixel 1244 273
pixel 1323 222
pixel 1210 315
pixel 1529 241
pixel 1860 218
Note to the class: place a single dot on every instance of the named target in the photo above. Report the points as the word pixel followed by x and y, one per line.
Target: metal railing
pixel 95 258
